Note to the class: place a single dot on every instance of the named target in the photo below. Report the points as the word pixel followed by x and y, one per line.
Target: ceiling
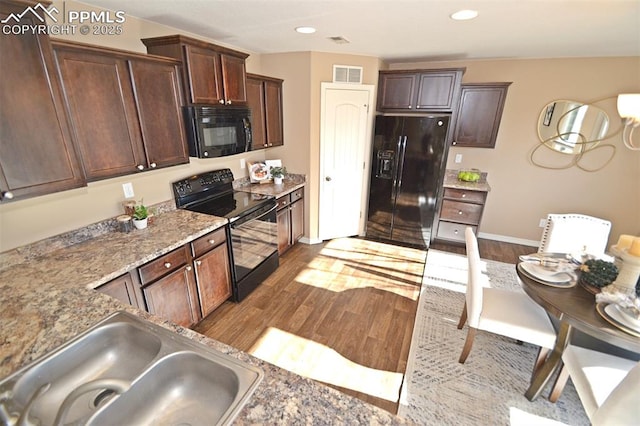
pixel 406 30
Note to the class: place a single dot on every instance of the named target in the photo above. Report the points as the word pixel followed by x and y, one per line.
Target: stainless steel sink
pixel 126 370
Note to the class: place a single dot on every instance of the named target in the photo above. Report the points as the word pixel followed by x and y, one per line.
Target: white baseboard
pixel 507 239
pixel 305 240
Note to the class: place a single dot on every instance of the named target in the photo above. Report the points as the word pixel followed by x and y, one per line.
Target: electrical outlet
pixel 127 188
pixel 458 158
pixel 243 163
pixel 542 223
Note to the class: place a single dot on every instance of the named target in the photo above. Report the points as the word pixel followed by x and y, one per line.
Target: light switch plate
pixel 243 163
pixel 458 158
pixel 127 188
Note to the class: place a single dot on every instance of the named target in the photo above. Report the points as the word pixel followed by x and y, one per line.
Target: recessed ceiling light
pixel 463 15
pixel 306 30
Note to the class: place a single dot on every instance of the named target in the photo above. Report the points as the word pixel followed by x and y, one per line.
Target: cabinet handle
pixel 228 102
pixel 198 262
pixel 153 165
pixel 464 195
pixel 409 106
pixel 140 167
pixel 221 101
pixel 459 211
pixel 212 241
pixel 188 268
pixel 167 265
pixel 270 144
pixel 454 143
pixel 455 231
pixel 7 194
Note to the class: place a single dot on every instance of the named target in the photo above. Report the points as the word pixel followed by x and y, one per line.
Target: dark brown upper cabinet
pixel 479 114
pixel 125 109
pixel 212 74
pixel 264 98
pixel 37 155
pixel 419 90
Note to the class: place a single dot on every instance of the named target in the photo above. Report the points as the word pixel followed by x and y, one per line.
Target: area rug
pixel 489 388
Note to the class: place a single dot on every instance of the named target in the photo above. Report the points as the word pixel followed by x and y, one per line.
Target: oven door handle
pixel 255 215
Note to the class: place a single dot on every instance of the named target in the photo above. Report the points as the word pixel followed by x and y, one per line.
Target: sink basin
pixel 162 377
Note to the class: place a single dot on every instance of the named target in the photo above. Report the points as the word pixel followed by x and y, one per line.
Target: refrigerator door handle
pixel 394 187
pixel 401 168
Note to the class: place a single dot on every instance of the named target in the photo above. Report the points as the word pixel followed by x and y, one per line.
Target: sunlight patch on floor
pixel 319 362
pixel 351 263
pixel 450 272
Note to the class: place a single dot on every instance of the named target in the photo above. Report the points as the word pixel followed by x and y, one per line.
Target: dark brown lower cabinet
pixel 174 297
pixel 184 285
pixel 122 288
pixel 290 219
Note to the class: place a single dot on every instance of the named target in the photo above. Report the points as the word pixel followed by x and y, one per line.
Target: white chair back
pixel 575 233
pixel 474 284
pixel 622 406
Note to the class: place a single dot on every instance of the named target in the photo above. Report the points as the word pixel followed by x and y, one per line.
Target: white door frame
pixel 324 87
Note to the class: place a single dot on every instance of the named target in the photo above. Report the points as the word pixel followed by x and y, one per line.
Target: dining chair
pixel 608 385
pixel 503 312
pixel 571 233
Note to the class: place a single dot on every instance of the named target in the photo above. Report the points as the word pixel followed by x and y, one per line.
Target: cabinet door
pixel 174 297
pixel 297 220
pixel 438 91
pixel 157 94
pixel 99 96
pixel 255 102
pixel 273 112
pixel 213 279
pixel 121 288
pixel 234 77
pixel 396 91
pixel 479 115
pixel 204 75
pixel 37 155
pixel 283 219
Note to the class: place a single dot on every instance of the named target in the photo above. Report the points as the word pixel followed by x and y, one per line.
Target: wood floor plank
pixel 352 296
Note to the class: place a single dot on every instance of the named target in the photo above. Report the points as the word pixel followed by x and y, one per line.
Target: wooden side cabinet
pixel 37 154
pixel 479 114
pixel 460 208
pixel 212 268
pixel 125 109
pixel 212 74
pixel 290 219
pixel 124 289
pixel 419 90
pixel 264 98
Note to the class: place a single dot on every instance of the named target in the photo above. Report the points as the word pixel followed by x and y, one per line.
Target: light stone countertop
pixel 451 181
pixel 289 184
pixel 48 298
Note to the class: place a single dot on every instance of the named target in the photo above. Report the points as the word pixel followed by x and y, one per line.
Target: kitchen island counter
pixel 48 298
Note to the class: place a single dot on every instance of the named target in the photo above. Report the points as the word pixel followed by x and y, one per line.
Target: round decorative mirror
pixel 572 127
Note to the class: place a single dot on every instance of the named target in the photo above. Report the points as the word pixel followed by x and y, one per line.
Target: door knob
pixel 328 178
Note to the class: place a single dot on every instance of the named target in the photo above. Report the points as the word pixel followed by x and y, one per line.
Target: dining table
pixel 575 308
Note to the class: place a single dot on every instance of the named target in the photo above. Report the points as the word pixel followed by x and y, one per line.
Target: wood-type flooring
pixel 340 312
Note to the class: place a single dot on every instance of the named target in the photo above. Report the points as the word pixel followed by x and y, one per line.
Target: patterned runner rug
pixel 489 388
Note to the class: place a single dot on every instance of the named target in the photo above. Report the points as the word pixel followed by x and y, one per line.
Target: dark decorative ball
pixel 598 273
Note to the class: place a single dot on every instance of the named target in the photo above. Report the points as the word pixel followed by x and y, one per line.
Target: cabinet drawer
pixel 282 202
pixel 453 231
pixel 163 265
pixel 465 195
pixel 297 194
pixel 461 212
pixel 209 241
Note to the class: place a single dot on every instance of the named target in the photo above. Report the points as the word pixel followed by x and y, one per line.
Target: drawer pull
pixel 459 211
pixel 212 241
pixel 464 195
pixel 455 231
pixel 198 262
pixel 167 265
pixel 188 268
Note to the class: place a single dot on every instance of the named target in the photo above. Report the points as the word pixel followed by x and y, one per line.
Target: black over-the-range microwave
pixel 214 131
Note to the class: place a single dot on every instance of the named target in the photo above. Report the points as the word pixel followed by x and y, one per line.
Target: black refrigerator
pixel 409 160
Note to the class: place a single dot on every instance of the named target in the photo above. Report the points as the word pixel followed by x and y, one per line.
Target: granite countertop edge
pixel 451 181
pixel 49 299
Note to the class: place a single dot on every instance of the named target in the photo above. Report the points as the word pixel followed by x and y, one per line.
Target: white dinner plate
pixel 621 316
pixel 546 275
pixel 612 315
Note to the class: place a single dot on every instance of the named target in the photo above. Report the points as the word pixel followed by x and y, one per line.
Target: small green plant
pixel 140 212
pixel 278 171
pixel 598 273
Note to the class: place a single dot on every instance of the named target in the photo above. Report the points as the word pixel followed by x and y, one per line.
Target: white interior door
pixel 345 140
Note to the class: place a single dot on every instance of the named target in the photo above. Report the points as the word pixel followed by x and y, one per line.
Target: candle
pixel 634 250
pixel 624 241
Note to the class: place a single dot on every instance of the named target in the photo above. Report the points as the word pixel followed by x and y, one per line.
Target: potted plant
pixel 278 173
pixel 140 216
